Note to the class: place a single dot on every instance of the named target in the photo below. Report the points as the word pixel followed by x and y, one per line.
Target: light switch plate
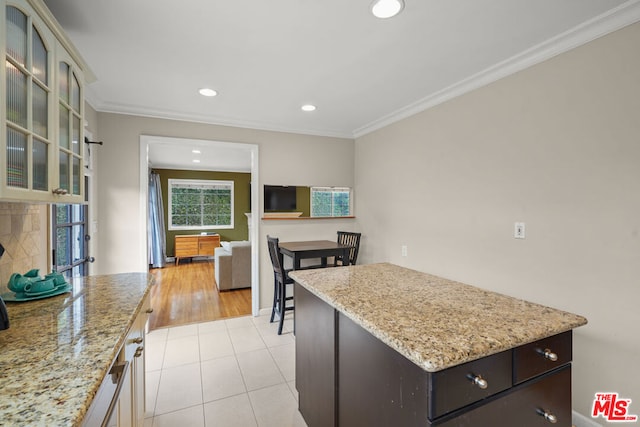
pixel 519 231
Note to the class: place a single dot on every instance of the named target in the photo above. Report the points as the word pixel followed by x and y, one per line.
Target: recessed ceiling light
pixel 207 92
pixel 308 107
pixel 386 8
pixel 196 161
pixel 195 151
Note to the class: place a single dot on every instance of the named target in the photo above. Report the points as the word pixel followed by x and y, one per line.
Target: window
pixel 70 239
pixel 200 204
pixel 330 201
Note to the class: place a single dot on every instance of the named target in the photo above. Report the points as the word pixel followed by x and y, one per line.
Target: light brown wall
pixel 284 159
pixel 556 146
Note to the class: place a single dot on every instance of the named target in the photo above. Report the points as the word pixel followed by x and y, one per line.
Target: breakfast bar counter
pixel 58 350
pixel 382 343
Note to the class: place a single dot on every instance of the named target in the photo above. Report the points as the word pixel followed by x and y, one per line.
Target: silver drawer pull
pixel 138 352
pixel 547 416
pixel 479 381
pixel 549 355
pixel 149 310
pixel 138 340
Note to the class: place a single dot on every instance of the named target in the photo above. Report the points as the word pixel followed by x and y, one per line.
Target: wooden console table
pixel 188 246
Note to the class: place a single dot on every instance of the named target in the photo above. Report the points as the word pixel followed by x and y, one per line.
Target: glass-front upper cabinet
pixel 70 139
pixel 41 120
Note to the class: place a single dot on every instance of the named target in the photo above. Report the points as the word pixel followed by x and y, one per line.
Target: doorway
pixel 234 150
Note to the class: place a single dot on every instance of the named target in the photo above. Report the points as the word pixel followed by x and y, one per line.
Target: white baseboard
pixel 580 420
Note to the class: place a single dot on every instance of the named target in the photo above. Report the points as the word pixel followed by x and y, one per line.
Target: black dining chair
pixel 349 238
pixel 280 281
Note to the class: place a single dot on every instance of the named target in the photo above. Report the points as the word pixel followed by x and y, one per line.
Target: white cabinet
pixel 138 366
pixel 42 117
pixel 131 400
pixel 120 399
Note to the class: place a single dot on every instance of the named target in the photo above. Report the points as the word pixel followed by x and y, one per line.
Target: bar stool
pixel 352 239
pixel 280 281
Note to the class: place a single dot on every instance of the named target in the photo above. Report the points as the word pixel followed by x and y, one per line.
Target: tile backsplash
pixel 23 233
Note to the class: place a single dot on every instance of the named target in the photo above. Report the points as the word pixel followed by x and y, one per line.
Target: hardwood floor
pixel 188 294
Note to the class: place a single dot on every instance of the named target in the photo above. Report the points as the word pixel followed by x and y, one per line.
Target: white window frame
pixel 199 183
pixel 331 190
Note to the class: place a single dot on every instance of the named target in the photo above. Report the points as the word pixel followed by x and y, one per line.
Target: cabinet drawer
pixel 529 360
pixel 454 388
pixel 210 239
pixel 186 250
pixel 187 240
pixel 525 406
pixel 186 246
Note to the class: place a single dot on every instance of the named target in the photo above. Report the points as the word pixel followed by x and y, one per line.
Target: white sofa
pixel 233 265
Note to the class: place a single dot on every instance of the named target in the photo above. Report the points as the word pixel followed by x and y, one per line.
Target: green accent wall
pixel 303 200
pixel 241 201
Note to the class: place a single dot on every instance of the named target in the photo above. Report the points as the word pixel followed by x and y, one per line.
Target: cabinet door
pixel 377 385
pixel 68 174
pixel 138 371
pixel 125 413
pixel 315 358
pixel 207 245
pixel 41 120
pixel 26 126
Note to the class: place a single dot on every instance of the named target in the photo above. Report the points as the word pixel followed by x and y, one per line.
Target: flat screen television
pixel 279 198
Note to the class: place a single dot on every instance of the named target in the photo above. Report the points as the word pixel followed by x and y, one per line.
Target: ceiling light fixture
pixel 207 92
pixel 196 161
pixel 386 8
pixel 308 107
pixel 195 151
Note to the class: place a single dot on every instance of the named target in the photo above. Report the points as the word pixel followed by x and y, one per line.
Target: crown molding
pixel 134 110
pixel 626 14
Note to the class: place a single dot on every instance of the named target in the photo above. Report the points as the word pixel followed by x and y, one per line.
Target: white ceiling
pixel 267 58
pixel 177 153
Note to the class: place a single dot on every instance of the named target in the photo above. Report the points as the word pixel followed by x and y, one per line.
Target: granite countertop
pixel 434 322
pixel 57 350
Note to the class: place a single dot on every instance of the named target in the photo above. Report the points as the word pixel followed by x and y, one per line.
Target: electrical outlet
pixel 518 232
pixel 404 250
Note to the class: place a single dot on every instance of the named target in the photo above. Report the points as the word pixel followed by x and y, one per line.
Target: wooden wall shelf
pixel 303 218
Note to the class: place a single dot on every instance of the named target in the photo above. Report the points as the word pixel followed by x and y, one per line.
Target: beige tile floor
pixel 233 372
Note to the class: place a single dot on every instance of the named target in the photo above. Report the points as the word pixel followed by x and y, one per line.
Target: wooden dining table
pixel 322 249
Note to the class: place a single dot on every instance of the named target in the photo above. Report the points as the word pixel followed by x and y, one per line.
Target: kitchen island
pixel 385 345
pixel 58 350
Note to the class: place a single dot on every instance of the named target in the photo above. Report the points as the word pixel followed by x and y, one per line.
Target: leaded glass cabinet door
pixel 70 129
pixel 27 151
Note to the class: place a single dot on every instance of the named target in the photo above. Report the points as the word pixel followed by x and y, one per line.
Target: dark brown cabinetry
pixel 347 377
pixel 315 372
pixel 524 406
